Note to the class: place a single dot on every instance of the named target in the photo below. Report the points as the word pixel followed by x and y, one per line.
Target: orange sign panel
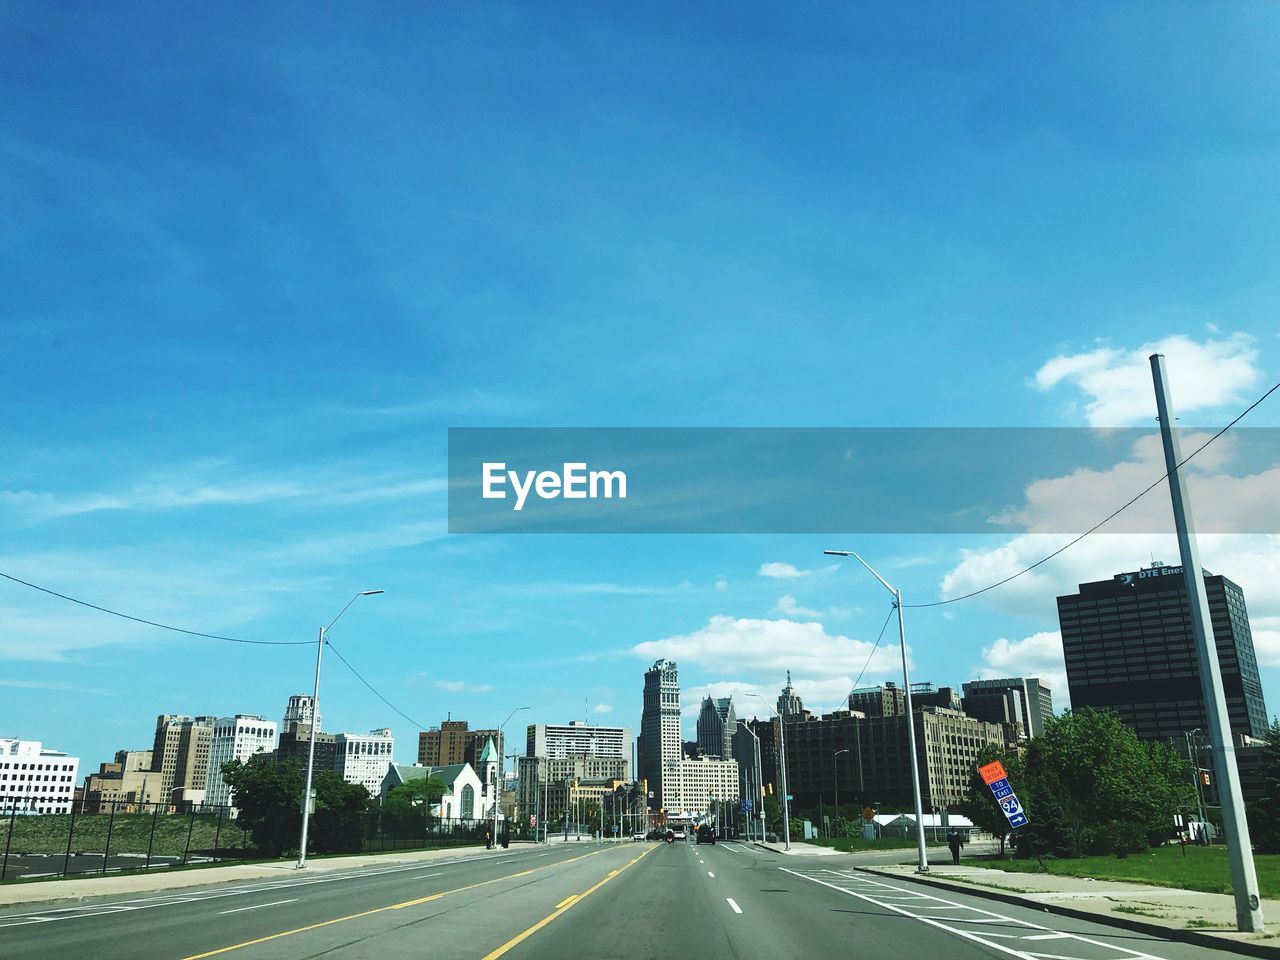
pixel 992 772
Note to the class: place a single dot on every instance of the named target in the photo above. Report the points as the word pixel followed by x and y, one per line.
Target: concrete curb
pixel 1250 948
pixel 76 888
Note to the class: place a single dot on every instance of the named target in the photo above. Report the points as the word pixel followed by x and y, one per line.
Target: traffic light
pixel 1204 778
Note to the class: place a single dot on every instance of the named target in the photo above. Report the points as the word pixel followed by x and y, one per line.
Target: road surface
pixel 627 900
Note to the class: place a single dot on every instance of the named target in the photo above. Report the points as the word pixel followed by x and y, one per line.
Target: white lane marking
pixel 711 875
pixel 736 908
pixel 986 938
pixel 427 876
pixel 730 848
pixel 164 900
pixel 256 906
pixel 1046 936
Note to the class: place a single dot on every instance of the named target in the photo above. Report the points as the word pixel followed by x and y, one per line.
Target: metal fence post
pixel 151 841
pixel 4 868
pixel 217 833
pixel 111 822
pixel 191 826
pixel 71 832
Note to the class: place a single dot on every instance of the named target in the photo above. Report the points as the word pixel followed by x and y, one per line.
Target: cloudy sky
pixel 256 262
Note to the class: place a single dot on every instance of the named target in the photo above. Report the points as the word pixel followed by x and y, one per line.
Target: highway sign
pixel 868 814
pixel 747 805
pixel 998 780
pixel 992 772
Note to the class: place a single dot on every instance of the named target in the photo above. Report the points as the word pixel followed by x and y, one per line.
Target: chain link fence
pixel 113 837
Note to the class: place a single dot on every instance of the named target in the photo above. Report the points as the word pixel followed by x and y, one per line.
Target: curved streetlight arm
pixel 362 593
pixel 870 569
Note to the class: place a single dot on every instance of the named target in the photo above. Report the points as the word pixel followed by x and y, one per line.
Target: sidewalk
pixel 97 885
pixel 1208 919
pixel 799 849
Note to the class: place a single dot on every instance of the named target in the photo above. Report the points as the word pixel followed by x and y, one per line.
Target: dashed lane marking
pixel 256 906
pixel 730 901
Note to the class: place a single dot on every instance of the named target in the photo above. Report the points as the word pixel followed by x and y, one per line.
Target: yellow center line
pixel 392 906
pixel 562 907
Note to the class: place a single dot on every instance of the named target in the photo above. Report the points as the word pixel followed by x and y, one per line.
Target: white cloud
pixel 602 708
pixel 782 571
pixel 788 607
pixel 462 686
pixel 722 584
pixel 1039 655
pixel 770 647
pixel 1117 383
pixel 1266 639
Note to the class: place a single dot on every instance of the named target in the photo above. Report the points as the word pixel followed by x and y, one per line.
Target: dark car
pixel 706 834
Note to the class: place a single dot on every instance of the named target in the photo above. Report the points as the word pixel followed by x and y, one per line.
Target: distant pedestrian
pixel 488 839
pixel 955 842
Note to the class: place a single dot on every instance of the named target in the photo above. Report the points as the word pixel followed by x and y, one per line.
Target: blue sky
pixel 256 261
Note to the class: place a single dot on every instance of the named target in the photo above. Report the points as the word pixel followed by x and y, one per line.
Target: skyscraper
pixel 181 754
pixel 558 740
pixel 1024 700
pixel 235 738
pixel 298 711
pixel 1129 648
pixel 717 724
pixel 789 705
pixel 659 725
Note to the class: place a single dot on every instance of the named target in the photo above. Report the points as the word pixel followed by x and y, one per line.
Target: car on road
pixel 706 834
pixel 679 835
pixel 639 836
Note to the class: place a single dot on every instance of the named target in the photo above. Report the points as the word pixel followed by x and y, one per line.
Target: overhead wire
pixel 151 623
pixel 1111 516
pixel 372 689
pixel 876 646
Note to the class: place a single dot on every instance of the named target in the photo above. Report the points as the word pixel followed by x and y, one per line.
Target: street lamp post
pixel 497 786
pixel 782 763
pixel 315 718
pixel 922 865
pixel 1195 773
pixel 835 776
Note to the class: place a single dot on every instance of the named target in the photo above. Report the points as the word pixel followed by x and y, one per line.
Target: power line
pixel 152 623
pixel 883 627
pixel 372 688
pixel 1111 516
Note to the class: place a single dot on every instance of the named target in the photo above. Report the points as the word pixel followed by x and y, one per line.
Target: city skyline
pixel 228 408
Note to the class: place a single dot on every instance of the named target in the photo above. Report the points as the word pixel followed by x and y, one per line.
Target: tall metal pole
pixel 1244 880
pixel 311 756
pixel 922 865
pixel 786 798
pixel 1195 773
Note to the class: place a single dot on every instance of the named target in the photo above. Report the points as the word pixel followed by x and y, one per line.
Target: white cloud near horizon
pixel 770 647
pixel 1039 655
pixel 462 686
pixel 782 571
pixel 1116 383
pixel 788 607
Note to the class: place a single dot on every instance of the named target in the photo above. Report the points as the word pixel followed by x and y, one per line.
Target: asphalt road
pixel 628 900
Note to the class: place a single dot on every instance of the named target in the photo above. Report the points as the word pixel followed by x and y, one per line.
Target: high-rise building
pixel 1129 648
pixel 851 757
pixel 690 786
pixel 575 738
pixel 452 742
pixel 35 780
pixel 543 779
pixel 746 751
pixel 364 757
pixel 659 725
pixel 789 705
pixel 122 785
pixel 717 723
pixel 181 756
pixel 1023 700
pixel 300 708
pixel 925 694
pixel 886 700
pixel 235 738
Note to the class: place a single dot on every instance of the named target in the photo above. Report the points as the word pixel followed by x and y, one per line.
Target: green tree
pixel 415 796
pixel 1094 787
pixel 1264 814
pixel 269 799
pixel 980 806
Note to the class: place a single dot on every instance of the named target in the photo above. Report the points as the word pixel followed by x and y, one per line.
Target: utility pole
pixel 1244 879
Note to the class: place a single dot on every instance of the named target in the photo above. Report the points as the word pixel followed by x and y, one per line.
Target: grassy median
pixel 858 845
pixel 1193 868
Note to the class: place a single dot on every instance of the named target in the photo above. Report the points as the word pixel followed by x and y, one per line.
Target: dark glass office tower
pixel 1129 648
